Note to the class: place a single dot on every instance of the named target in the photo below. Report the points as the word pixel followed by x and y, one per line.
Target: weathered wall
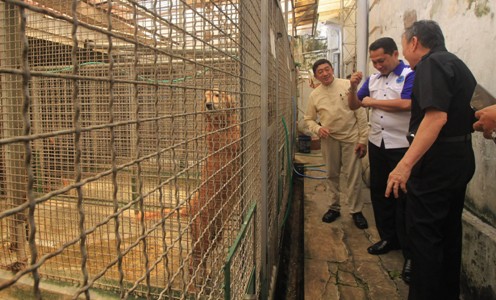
pixel 469 29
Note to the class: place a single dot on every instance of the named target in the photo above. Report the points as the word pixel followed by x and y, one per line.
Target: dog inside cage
pixel 211 206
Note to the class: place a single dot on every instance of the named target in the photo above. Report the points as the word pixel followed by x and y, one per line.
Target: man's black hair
pixel 318 63
pixel 428 33
pixel 385 43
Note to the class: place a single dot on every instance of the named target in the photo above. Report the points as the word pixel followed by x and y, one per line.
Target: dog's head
pixel 216 100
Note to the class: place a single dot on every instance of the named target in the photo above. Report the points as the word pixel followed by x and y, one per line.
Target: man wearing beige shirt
pixel 343 134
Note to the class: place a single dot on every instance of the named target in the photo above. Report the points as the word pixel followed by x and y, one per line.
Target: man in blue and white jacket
pixel 388 95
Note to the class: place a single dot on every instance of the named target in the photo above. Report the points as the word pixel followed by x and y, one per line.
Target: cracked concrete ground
pixel 336 262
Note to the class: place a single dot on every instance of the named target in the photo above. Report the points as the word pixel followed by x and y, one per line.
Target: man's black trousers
pixel 436 193
pixel 389 212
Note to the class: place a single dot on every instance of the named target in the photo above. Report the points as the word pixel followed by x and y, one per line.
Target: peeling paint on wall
pixel 481 7
pixel 409 18
pixel 436 8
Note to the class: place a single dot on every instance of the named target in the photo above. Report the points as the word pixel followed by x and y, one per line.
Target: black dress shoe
pixel 382 247
pixel 360 220
pixel 406 274
pixel 331 216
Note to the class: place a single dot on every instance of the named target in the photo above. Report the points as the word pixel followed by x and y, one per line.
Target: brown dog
pixel 210 207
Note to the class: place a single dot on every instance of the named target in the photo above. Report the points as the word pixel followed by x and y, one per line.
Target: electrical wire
pixel 308 176
pixel 313 166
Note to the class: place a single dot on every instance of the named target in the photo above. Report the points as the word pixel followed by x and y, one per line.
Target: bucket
pixel 304 143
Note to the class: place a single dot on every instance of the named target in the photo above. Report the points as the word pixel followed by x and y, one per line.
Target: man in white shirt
pixel 388 95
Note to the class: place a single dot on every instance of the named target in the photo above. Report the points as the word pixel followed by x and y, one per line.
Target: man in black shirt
pixel 439 163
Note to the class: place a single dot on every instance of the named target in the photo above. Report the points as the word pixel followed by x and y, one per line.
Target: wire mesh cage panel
pixel 130 144
pixel 285 116
pixel 279 87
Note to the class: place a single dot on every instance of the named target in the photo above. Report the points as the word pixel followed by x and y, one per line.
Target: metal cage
pixel 131 136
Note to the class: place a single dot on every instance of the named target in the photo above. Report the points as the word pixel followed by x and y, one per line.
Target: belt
pixel 455 139
pixel 445 139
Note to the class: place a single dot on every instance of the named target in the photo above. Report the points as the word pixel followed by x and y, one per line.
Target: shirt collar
pixel 433 50
pixel 397 71
pixel 399 68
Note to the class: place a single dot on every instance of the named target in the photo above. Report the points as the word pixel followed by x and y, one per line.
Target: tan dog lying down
pixel 210 207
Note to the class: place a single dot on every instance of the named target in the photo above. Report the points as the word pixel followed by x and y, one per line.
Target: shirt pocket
pixel 374 89
pixel 395 90
pixel 378 92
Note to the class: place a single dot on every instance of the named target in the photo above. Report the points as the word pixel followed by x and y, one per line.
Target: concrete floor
pixel 336 262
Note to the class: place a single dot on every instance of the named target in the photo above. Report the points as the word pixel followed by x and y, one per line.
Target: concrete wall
pixel 469 29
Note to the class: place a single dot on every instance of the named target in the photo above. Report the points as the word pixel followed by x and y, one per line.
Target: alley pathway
pixel 337 265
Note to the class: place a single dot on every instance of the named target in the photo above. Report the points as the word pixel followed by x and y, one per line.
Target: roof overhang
pixel 308 13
